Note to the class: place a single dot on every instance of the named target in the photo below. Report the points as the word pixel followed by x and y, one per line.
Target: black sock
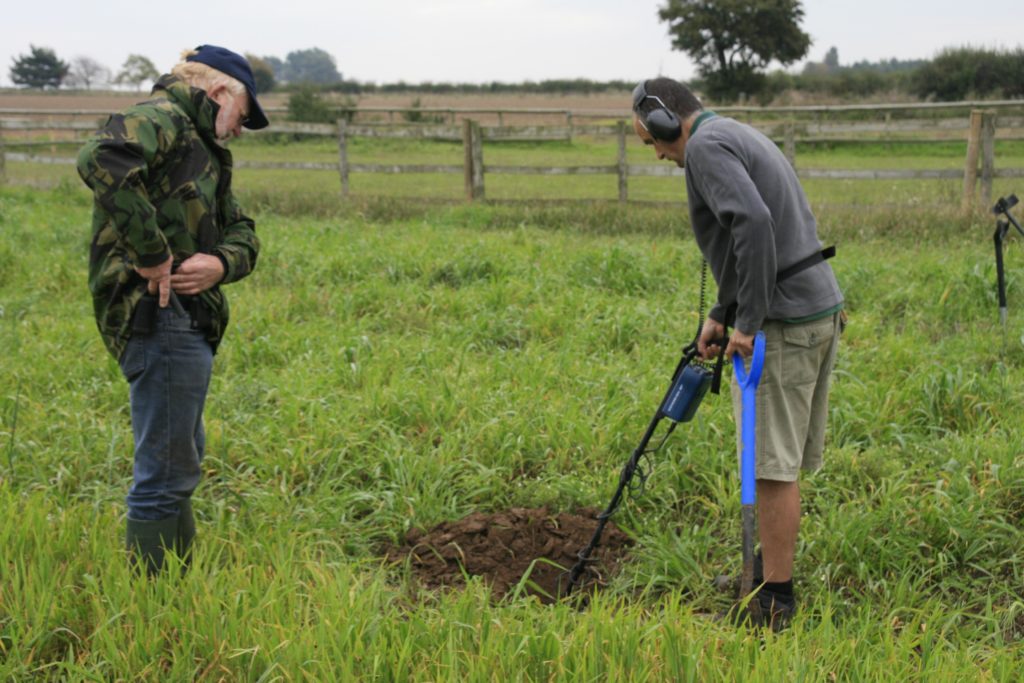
pixel 783 589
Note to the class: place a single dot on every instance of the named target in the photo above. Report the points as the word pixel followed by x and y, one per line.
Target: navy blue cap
pixel 236 66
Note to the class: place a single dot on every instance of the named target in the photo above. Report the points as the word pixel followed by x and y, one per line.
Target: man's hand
pixel 159 278
pixel 740 343
pixel 712 331
pixel 197 273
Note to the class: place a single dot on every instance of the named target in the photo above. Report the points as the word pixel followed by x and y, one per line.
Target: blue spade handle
pixel 748 382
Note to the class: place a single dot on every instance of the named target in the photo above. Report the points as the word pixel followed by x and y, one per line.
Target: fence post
pixel 467 157
pixel 3 157
pixel 988 155
pixel 622 166
pixel 568 123
pixel 473 164
pixel 478 160
pixel 789 144
pixel 971 164
pixel 343 155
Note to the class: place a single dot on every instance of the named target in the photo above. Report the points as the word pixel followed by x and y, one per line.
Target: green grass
pixel 394 365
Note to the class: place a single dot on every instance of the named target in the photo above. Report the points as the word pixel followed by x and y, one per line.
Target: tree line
pixel 41 68
pixel 732 42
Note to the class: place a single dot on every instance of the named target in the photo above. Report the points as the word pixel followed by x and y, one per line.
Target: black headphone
pixel 662 123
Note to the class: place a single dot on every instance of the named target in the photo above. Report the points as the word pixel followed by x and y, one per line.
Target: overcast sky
pixel 479 40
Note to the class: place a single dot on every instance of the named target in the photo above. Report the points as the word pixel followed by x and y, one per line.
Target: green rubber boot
pixel 186 532
pixel 148 540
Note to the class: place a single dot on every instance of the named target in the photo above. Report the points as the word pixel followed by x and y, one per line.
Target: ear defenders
pixel 662 123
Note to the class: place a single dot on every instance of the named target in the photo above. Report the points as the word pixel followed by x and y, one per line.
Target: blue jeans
pixel 168 372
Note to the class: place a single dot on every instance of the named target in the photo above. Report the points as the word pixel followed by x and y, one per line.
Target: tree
pixel 87 72
pixel 832 58
pixel 829 65
pixel 306 104
pixel 311 66
pixel 276 65
pixel 40 69
pixel 732 41
pixel 262 72
pixel 135 71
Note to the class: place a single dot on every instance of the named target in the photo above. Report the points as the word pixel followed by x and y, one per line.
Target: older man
pixel 753 224
pixel 166 235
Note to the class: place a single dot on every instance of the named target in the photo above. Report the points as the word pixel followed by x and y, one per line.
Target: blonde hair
pixel 199 75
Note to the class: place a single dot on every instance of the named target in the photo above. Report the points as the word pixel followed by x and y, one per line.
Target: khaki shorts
pixel 792 397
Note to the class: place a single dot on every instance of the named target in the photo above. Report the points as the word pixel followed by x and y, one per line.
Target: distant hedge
pixel 969 73
pixel 955 74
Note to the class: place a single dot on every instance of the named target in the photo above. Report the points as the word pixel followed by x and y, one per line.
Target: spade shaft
pixel 747 382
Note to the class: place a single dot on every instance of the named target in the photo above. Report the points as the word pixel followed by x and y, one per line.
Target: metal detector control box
pixel 686 393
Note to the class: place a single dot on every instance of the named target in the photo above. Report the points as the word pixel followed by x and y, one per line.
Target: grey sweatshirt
pixel 751 220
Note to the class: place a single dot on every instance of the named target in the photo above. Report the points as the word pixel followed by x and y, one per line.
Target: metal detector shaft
pixel 624 477
pixel 748 382
pixel 689 353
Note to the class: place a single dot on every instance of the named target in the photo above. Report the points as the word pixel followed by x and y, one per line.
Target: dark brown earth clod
pixel 504 547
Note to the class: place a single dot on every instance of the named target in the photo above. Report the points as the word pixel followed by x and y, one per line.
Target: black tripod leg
pixel 1000 234
pixel 1015 224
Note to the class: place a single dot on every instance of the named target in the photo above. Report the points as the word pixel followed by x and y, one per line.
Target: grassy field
pixel 392 365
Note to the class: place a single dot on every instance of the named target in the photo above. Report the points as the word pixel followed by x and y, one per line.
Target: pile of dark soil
pixel 503 547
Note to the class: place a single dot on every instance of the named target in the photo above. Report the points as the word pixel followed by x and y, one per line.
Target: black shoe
pixel 777 611
pixel 147 541
pixel 763 610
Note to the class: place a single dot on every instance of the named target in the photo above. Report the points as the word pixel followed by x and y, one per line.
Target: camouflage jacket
pixel 162 186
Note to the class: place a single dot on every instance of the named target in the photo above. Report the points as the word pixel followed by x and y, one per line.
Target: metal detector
pixel 690 382
pixel 1003 207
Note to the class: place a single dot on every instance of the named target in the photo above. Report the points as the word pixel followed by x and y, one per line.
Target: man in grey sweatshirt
pixel 755 229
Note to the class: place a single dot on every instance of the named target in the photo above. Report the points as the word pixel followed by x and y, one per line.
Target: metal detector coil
pixel 687 392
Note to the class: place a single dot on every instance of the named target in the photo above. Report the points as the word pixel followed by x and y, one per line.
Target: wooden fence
pixel 786 125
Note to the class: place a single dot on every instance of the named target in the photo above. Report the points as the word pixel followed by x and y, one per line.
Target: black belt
pixel 144 316
pixel 187 300
pixel 197 310
pixel 803 264
pixel 730 312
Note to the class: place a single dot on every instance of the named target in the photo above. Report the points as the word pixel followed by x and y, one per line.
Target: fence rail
pixel 1010 128
pixel 454 113
pixel 980 129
